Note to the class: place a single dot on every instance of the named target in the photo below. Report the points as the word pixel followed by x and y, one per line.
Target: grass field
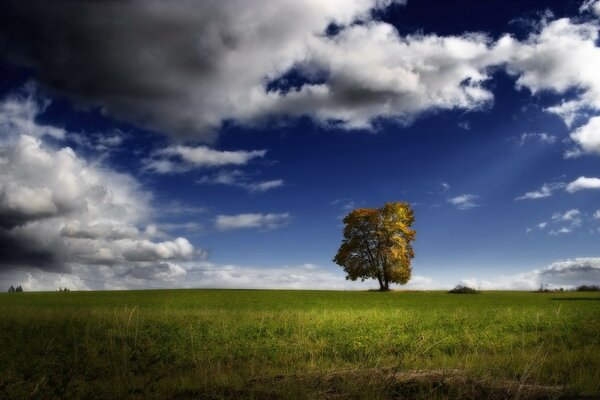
pixel 178 344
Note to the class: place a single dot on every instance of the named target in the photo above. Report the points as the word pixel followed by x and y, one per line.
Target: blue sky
pixel 220 144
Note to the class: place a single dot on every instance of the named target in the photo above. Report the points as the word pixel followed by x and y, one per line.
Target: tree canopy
pixel 377 244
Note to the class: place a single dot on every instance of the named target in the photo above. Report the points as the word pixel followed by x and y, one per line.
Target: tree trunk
pixel 386 279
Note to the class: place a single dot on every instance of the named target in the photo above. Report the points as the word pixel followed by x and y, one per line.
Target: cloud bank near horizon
pixel 567 274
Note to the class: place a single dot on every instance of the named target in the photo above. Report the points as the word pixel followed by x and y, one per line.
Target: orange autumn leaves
pixel 377 244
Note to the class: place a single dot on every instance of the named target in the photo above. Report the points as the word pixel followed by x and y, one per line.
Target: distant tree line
pixel 581 288
pixel 460 289
pixel 12 289
pixel 588 288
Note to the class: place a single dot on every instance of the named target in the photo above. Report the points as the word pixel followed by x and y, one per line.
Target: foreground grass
pixel 298 344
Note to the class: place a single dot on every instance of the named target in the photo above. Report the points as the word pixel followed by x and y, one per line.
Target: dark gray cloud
pixel 171 66
pixel 58 211
pixel 20 251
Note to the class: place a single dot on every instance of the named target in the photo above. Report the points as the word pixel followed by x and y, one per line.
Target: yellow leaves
pixel 377 245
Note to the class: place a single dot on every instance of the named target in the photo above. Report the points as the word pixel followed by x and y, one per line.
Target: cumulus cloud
pixel 183 69
pixel 464 201
pixel 545 191
pixel 177 67
pixel 240 179
pixel 59 212
pixel 145 250
pixel 587 137
pixel 583 183
pixel 590 5
pixel 245 221
pixel 183 158
pixel 559 57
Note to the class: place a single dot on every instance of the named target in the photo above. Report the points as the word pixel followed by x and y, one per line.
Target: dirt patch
pixel 390 384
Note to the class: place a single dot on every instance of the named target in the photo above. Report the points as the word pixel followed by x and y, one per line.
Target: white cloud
pixel 245 221
pixel 183 158
pixel 466 125
pixel 145 250
pixel 561 56
pixel 464 201
pixel 540 137
pixel 597 214
pixel 263 186
pixel 587 137
pixel 566 222
pixel 564 229
pixel 241 179
pixel 562 222
pixel 545 191
pixel 583 183
pixel 374 72
pixel 590 5
pixel 568 274
pixel 203 274
pixel 18 113
pixel 59 212
pixel 570 215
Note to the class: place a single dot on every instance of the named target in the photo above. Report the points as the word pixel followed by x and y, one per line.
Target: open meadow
pixel 179 344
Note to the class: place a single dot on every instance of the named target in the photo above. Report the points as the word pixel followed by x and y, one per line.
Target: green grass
pixel 297 344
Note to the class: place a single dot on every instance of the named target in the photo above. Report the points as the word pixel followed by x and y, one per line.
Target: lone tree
pixel 377 244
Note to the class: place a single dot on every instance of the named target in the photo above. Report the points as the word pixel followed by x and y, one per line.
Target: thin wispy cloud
pixel 464 201
pixel 238 178
pixel 545 191
pixel 251 221
pixel 184 158
pixel 543 138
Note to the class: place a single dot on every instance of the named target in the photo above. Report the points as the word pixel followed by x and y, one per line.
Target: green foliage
pixel 180 344
pixel 460 289
pixel 377 244
pixel 588 288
